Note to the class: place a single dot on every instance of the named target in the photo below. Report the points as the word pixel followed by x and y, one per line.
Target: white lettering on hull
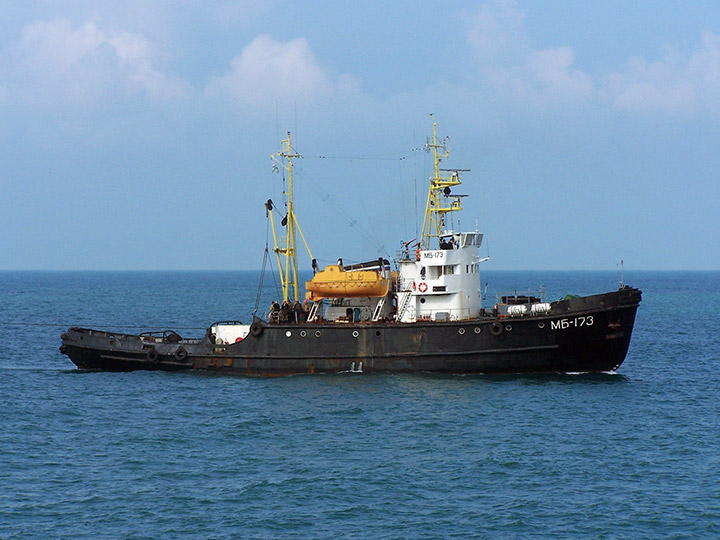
pixel 576 322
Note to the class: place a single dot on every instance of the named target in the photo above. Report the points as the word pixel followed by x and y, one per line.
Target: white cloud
pixel 268 70
pixel 506 61
pixel 496 32
pixel 57 64
pixel 509 66
pixel 552 69
pixel 675 84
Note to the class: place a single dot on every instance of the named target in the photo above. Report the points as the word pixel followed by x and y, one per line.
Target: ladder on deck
pixel 313 312
pixel 405 304
pixel 379 308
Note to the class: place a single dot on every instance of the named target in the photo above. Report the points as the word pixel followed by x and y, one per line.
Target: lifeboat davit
pixel 336 282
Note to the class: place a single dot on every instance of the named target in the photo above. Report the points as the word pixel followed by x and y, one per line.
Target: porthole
pixel 461 331
pixel 377 332
pixel 477 330
pixel 422 300
pixel 355 333
pixel 508 327
pixel 317 333
pixel 303 333
pixel 541 325
pixel 288 333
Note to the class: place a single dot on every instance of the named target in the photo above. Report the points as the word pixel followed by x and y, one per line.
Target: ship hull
pixel 589 334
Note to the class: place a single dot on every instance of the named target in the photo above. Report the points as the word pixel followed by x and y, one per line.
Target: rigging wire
pixel 266 256
pixel 262 278
pixel 402 200
pixel 417 217
pixel 381 247
pixel 391 156
pixel 277 289
pixel 320 192
pixel 352 222
pixel 370 235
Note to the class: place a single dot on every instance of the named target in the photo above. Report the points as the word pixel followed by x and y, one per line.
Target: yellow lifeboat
pixel 336 282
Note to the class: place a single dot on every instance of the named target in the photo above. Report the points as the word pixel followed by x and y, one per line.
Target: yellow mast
pixel 438 203
pixel 286 246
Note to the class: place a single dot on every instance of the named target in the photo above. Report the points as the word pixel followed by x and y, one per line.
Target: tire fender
pixel 256 328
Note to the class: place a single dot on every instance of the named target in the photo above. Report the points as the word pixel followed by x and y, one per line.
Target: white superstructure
pixel 441 284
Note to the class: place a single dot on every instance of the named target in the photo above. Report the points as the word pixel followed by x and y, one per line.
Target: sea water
pixel 635 454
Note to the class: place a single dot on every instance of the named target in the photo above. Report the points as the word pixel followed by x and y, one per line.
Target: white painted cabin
pixel 444 284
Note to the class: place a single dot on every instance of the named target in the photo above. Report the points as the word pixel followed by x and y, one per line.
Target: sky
pixel 137 135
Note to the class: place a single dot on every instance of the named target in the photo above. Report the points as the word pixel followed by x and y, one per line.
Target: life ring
pixel 152 355
pixel 417 254
pixel 256 328
pixel 180 354
pixel 238 340
pixel 422 287
pixel 496 329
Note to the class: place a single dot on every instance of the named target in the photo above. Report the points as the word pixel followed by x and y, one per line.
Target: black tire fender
pixel 496 329
pixel 181 354
pixel 152 355
pixel 256 328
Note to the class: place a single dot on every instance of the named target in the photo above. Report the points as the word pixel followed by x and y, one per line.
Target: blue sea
pixel 139 455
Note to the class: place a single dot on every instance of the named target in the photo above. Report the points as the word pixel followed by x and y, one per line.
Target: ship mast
pixel 439 202
pixel 285 247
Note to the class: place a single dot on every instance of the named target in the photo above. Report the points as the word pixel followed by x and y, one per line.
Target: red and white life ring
pixel 422 287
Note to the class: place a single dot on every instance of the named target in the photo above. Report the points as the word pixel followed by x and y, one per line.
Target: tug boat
pixel 421 312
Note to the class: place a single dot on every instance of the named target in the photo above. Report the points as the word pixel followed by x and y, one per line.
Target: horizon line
pixel 6 270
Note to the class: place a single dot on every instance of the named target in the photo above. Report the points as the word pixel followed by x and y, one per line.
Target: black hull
pixel 589 334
